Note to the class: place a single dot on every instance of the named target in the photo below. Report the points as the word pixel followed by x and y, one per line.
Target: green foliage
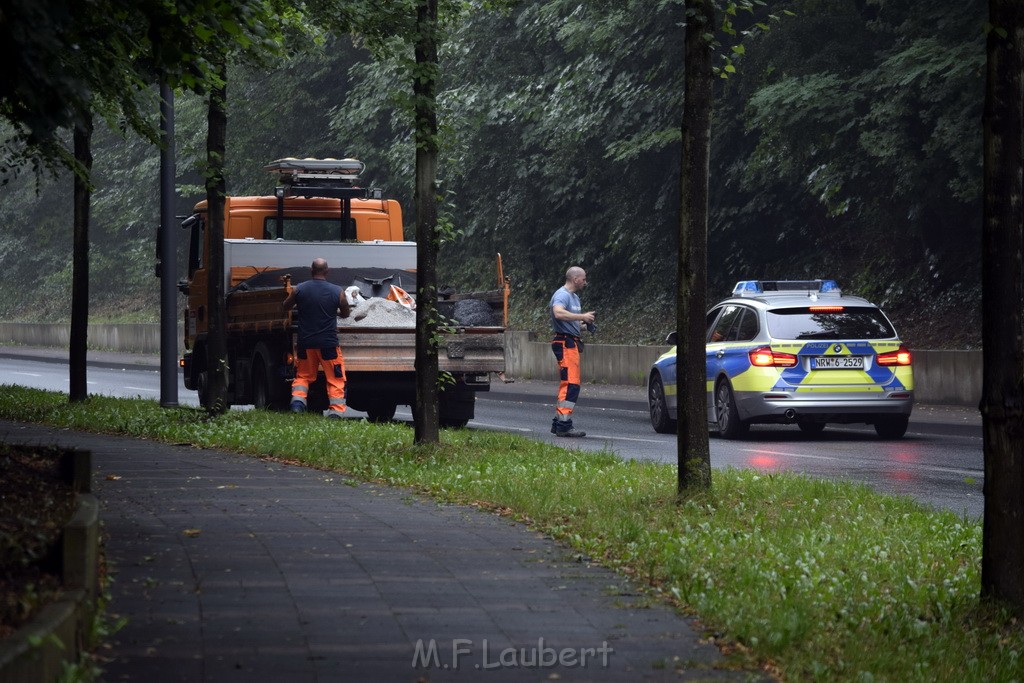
pixel 824 580
pixel 847 145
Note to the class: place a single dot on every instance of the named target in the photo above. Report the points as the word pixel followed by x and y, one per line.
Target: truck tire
pixel 203 388
pixel 316 398
pixel 268 391
pixel 261 387
pixel 381 411
pixel 456 406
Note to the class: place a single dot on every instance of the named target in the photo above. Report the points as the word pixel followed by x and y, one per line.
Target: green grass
pixel 816 580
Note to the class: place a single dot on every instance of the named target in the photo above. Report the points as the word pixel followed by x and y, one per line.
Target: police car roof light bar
pixel 759 287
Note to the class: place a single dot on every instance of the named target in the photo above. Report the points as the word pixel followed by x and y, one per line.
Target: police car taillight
pixel 826 309
pixel 764 357
pixel 900 356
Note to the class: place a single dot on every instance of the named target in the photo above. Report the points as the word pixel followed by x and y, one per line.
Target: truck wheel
pixel 453 423
pixel 203 388
pixel 261 387
pixel 381 412
pixel 316 398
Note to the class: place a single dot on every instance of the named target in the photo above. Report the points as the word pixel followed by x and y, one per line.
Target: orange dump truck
pixel 317 210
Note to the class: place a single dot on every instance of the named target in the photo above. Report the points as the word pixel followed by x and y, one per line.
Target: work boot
pixel 298 407
pixel 335 415
pixel 564 428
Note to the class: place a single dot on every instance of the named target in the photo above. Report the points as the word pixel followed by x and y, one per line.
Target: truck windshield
pixel 849 323
pixel 304 229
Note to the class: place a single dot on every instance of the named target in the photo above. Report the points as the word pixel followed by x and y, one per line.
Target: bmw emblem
pixel 837 348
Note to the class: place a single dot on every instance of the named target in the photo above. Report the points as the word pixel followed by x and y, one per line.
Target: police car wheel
pixel 660 419
pixel 892 426
pixel 730 426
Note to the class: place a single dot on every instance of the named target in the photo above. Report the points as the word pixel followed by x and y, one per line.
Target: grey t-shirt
pixel 570 302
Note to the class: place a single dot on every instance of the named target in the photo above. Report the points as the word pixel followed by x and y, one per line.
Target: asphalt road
pixel 939 462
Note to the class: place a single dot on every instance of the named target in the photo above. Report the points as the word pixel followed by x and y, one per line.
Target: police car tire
pixel 660 420
pixel 732 427
pixel 892 426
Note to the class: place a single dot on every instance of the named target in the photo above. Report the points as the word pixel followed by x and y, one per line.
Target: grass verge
pixel 816 580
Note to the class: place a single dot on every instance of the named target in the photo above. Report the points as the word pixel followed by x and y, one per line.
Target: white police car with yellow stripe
pixel 794 351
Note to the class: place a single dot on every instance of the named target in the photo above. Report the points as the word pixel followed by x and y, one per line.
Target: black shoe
pixel 564 428
pixel 298 407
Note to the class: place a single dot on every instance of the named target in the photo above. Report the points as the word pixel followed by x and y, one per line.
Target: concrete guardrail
pixel 940 377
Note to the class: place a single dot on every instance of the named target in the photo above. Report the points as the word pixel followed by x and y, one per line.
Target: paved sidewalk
pixel 231 568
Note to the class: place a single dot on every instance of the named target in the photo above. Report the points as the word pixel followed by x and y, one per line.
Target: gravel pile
pixel 377 312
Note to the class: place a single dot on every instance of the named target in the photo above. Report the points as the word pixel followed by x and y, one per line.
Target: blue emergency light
pixel 755 287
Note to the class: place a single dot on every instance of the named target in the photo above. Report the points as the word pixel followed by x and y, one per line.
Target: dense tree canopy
pixel 846 145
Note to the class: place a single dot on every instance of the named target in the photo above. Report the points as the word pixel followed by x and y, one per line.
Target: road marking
pixel 504 427
pixel 763 451
pixel 152 391
pixel 929 468
pixel 625 438
pixel 27 374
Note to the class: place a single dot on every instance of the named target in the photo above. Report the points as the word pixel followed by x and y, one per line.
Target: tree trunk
pixel 1002 399
pixel 79 340
pixel 425 412
pixel 694 454
pixel 216 343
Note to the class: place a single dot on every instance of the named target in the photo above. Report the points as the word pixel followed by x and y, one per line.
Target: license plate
pixel 838 362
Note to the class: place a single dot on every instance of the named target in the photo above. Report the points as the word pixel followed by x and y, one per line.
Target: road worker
pixel 319 303
pixel 566 319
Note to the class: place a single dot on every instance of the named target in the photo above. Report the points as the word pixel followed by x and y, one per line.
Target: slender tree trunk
pixel 1002 400
pixel 216 343
pixel 77 350
pixel 694 454
pixel 425 90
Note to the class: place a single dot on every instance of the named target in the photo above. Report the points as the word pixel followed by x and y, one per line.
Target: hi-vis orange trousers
pixel 567 353
pixel 307 364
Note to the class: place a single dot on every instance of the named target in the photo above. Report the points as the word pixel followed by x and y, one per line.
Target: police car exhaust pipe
pixel 789 414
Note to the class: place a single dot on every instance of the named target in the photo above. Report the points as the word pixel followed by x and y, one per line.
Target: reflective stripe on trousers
pixel 305 374
pixel 567 353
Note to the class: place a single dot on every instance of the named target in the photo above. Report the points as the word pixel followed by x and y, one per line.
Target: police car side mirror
pixel 670 339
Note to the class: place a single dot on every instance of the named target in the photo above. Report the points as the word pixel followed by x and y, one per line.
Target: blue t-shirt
pixel 570 302
pixel 318 313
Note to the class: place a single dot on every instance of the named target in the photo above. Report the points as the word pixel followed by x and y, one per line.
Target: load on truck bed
pixel 267 252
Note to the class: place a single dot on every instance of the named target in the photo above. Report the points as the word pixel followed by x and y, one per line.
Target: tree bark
pixel 216 343
pixel 694 454
pixel 425 412
pixel 1002 400
pixel 79 340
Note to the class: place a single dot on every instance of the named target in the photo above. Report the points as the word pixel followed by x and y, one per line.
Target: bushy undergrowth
pixel 817 580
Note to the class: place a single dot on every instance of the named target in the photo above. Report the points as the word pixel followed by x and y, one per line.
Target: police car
pixel 788 351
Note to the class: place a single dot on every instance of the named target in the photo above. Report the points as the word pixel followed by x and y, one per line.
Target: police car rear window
pixel 849 323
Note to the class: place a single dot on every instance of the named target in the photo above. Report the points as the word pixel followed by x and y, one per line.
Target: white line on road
pixel 929 468
pixel 504 427
pixel 624 438
pixel 152 391
pixel 764 451
pixel 27 374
